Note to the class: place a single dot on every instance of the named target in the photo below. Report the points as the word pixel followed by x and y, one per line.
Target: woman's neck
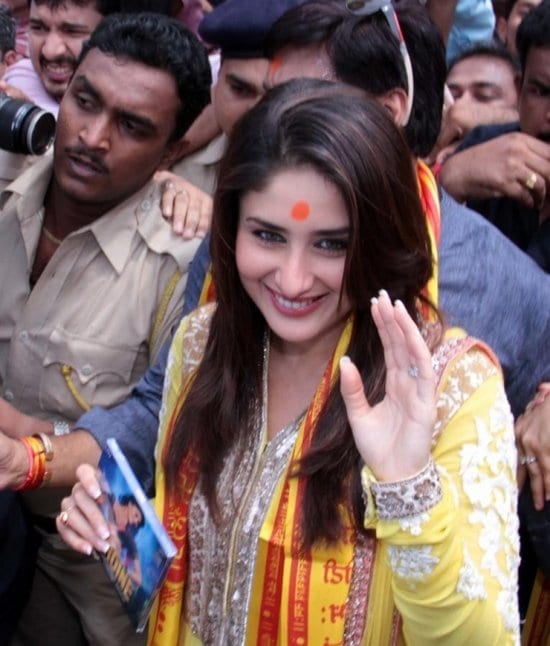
pixel 294 373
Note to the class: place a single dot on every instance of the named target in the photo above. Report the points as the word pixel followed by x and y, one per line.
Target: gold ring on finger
pixel 64 515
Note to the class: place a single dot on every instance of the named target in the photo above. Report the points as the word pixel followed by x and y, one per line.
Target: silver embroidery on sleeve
pixel 405 498
pixel 413 563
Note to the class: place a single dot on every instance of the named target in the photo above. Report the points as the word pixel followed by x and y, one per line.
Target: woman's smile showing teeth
pixel 294 307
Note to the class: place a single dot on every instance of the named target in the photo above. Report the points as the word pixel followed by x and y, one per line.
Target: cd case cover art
pixel 141 550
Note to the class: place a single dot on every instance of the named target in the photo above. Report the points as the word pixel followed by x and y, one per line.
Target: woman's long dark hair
pixel 352 142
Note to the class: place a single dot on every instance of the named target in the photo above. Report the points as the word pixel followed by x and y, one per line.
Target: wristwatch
pixel 60 427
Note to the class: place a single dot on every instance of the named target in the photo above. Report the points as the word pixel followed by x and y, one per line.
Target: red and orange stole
pixel 297 598
pixel 429 196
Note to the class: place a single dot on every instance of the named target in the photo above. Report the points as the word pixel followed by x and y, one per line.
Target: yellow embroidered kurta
pixel 445 576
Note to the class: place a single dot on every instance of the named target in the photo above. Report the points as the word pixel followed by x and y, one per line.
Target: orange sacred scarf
pixel 429 196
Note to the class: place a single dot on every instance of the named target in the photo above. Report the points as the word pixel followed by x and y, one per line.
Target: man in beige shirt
pixel 92 278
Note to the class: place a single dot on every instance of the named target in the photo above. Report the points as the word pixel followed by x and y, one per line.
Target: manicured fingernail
pixel 104 547
pixel 383 292
pixel 188 232
pixel 373 300
pixel 178 227
pixel 344 360
pixel 104 533
pixel 399 304
pixel 95 493
pixel 88 549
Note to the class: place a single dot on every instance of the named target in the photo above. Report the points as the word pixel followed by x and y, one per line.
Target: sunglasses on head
pixel 370 7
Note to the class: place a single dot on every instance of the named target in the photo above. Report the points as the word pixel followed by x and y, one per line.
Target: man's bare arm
pixel 69 451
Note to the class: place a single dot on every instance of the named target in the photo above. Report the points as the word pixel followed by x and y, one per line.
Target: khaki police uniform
pixel 201 167
pixel 82 336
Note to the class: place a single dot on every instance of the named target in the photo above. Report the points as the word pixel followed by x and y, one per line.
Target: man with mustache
pixel 57 29
pixel 503 171
pixel 92 281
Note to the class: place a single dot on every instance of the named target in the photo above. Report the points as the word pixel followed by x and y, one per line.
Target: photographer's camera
pixel 24 127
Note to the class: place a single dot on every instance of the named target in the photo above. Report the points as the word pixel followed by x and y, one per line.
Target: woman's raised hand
pixel 394 437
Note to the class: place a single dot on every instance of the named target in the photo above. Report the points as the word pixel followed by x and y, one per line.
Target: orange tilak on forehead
pixel 300 211
pixel 274 65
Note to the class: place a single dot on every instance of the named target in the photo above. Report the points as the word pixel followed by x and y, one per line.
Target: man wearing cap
pixel 237 28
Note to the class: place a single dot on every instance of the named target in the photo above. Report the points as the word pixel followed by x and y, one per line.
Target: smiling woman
pixel 333 467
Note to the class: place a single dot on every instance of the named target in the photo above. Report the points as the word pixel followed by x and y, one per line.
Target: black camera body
pixel 24 127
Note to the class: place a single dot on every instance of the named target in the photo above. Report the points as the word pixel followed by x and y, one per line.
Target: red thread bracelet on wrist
pixel 36 473
pixel 30 471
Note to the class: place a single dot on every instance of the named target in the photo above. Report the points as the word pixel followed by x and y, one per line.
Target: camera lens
pixel 24 127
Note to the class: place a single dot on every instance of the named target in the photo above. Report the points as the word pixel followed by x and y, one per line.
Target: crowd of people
pixel 293 255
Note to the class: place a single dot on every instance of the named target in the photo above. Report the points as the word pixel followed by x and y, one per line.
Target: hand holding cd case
pixel 140 549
